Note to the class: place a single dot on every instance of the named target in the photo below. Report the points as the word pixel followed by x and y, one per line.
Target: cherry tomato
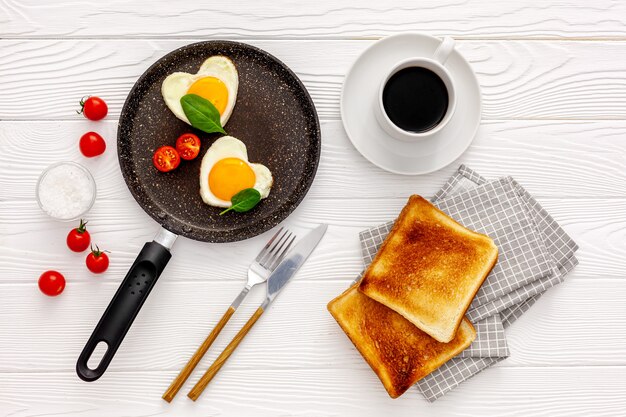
pixel 166 159
pixel 92 144
pixel 51 283
pixel 78 239
pixel 97 261
pixel 94 108
pixel 188 146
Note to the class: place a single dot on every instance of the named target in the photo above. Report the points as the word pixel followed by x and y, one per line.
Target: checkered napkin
pixel 534 255
pixel 561 247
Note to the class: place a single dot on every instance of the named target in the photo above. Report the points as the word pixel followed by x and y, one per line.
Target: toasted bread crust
pixel 429 269
pixel 399 353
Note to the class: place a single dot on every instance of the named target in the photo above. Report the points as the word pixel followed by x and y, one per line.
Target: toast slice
pixel 399 353
pixel 429 269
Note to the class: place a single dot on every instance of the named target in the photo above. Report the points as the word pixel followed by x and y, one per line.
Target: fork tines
pixel 276 249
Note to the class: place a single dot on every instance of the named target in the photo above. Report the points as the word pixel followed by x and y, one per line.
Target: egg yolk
pixel 212 89
pixel 229 176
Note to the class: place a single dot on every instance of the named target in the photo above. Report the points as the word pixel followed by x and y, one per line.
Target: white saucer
pixel 358 98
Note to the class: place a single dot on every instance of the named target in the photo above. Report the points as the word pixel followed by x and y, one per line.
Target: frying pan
pixel 273 115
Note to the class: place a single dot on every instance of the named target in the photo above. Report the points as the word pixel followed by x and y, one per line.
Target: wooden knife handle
pixel 188 369
pixel 221 360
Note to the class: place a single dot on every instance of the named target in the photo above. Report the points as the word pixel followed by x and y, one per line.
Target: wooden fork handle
pixel 188 369
pixel 221 360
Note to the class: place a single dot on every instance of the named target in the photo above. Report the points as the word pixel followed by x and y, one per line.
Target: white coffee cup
pixel 434 64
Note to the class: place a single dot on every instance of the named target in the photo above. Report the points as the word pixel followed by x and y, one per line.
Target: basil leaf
pixel 201 113
pixel 244 200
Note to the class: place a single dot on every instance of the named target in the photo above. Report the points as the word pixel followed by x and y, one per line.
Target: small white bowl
pixel 60 185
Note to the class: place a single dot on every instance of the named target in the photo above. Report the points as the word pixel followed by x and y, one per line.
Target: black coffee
pixel 415 99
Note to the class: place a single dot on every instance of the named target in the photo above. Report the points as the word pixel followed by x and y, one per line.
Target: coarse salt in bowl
pixel 66 191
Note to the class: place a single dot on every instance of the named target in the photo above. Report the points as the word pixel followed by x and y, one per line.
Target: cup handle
pixel 443 51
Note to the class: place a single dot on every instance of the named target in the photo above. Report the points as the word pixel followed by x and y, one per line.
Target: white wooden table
pixel 554 90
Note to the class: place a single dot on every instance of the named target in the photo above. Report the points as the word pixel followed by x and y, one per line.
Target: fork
pixel 264 264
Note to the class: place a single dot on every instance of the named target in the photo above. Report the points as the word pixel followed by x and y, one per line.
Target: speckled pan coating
pixel 274 116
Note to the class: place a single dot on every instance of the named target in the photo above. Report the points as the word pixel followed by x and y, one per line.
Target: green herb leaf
pixel 201 113
pixel 244 200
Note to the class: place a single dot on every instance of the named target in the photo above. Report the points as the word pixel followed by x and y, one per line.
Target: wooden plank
pixel 322 19
pixel 570 325
pixel 598 225
pixel 44 79
pixel 550 158
pixel 541 392
pixel 567 356
pixel 45 334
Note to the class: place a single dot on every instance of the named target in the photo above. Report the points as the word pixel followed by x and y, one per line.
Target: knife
pixel 275 283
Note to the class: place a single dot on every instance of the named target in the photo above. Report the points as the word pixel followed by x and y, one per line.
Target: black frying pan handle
pixel 123 308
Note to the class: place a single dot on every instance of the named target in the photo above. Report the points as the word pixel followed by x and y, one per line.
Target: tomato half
pixel 51 283
pixel 166 159
pixel 188 146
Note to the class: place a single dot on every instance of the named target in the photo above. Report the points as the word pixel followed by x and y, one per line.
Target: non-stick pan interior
pixel 274 116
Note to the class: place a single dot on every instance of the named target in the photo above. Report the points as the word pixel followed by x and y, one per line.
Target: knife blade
pixel 292 262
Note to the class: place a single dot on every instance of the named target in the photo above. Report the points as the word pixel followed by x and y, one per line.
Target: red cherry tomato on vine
pixel 51 283
pixel 166 159
pixel 188 146
pixel 92 144
pixel 94 108
pixel 97 261
pixel 78 239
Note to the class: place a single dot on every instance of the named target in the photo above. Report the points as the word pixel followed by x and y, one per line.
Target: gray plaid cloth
pixel 535 254
pixel 560 246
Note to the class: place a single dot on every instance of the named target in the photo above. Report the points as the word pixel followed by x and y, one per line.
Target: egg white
pixel 177 84
pixel 230 147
